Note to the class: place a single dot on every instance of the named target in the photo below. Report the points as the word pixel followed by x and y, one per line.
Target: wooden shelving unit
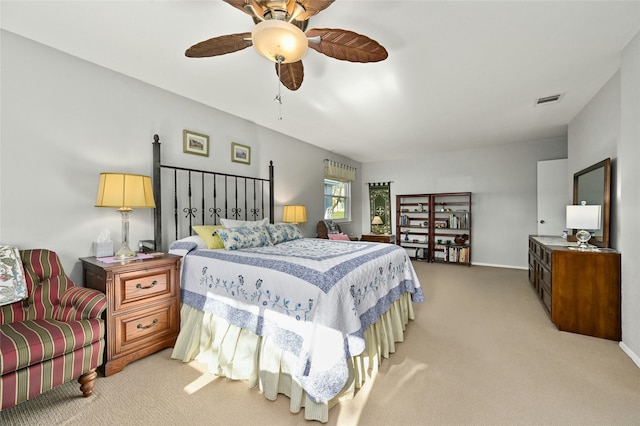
pixel 435 227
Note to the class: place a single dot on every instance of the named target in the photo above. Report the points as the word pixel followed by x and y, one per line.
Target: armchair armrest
pixel 78 303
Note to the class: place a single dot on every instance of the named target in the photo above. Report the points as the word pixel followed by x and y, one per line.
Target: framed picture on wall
pixel 195 143
pixel 240 153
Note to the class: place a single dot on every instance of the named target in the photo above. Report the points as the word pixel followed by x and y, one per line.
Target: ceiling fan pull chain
pixel 278 97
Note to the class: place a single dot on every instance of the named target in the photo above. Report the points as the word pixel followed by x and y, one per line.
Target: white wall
pixel 502 180
pixel 608 126
pixel 593 135
pixel 628 198
pixel 65 120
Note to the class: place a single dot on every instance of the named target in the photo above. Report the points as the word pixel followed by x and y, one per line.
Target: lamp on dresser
pixel 125 192
pixel 294 214
pixel 583 217
pixel 376 222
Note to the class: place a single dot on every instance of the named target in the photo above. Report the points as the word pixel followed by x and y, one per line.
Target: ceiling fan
pixel 281 35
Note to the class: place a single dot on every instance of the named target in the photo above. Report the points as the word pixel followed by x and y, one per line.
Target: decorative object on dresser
pixel 583 217
pixel 379 238
pixel 195 143
pixel 436 227
pixel 143 306
pixel 240 153
pixel 51 331
pixel 125 192
pixel 294 214
pixel 580 290
pixel 376 222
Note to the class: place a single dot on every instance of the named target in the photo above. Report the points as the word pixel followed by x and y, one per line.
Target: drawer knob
pixel 139 286
pixel 145 327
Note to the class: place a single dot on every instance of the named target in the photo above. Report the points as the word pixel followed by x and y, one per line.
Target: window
pixel 337 204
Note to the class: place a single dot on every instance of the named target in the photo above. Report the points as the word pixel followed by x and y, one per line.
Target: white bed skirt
pixel 239 354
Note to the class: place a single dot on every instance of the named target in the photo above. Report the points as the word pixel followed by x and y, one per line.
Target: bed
pixel 304 317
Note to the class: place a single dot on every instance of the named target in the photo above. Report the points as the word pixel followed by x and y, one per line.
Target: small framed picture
pixel 195 143
pixel 240 153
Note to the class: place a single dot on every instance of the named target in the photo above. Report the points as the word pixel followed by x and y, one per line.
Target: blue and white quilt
pixel 314 297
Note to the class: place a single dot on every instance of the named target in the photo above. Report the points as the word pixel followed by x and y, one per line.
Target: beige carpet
pixel 482 351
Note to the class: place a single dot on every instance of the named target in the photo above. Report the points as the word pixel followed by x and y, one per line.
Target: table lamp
pixel 294 214
pixel 583 217
pixel 125 192
pixel 376 222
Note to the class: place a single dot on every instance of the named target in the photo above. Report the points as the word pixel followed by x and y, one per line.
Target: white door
pixel 553 197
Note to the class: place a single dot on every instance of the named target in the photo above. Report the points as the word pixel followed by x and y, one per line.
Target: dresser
pixel 580 290
pixel 143 306
pixel 379 238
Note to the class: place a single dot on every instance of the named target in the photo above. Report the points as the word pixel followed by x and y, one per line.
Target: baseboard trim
pixel 635 358
pixel 493 265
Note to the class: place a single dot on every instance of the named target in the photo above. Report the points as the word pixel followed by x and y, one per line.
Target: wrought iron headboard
pixel 230 196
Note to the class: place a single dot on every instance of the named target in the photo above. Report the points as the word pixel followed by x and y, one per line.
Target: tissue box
pixel 103 249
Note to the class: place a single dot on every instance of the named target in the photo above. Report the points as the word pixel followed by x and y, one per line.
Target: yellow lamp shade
pixel 294 214
pixel 122 190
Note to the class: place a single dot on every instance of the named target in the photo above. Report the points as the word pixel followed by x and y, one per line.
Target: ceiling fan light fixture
pixel 275 38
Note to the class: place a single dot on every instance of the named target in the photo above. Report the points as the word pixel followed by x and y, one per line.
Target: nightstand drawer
pixel 142 287
pixel 146 326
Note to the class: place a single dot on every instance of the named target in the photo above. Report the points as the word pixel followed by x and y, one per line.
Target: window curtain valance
pixel 340 172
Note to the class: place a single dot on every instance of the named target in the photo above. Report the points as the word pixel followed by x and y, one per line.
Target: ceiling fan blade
pixel 346 45
pixel 291 75
pixel 250 7
pixel 219 45
pixel 312 7
pixel 291 5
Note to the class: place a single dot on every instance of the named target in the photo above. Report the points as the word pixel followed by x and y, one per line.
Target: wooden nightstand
pixel 143 306
pixel 379 238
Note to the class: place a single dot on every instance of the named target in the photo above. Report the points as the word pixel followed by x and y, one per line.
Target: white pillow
pixel 231 223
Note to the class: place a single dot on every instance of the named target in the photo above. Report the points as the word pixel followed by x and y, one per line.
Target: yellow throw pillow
pixel 209 236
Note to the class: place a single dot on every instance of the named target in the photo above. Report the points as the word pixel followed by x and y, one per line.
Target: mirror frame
pixel 601 241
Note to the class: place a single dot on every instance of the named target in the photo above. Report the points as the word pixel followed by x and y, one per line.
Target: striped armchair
pixel 53 336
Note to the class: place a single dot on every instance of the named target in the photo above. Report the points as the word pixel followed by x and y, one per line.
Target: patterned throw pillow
pixel 13 286
pixel 343 237
pixel 244 237
pixel 209 236
pixel 332 227
pixel 282 232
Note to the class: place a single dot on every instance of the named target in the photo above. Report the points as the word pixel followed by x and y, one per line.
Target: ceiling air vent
pixel 549 99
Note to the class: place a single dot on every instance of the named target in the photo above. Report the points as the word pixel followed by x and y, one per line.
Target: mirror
pixel 593 185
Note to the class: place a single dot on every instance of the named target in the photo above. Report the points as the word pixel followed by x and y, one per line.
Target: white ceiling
pixel 459 74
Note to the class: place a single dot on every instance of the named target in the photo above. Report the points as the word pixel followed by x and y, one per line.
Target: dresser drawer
pixel 141 287
pixel 545 279
pixel 546 299
pixel 545 257
pixel 140 328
